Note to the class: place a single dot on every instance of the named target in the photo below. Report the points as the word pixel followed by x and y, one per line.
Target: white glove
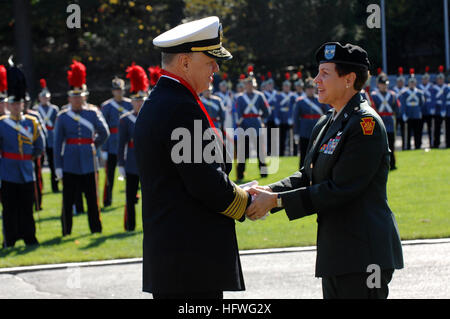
pixel 104 155
pixel 277 121
pixel 122 171
pixel 296 138
pixel 58 173
pixel 404 117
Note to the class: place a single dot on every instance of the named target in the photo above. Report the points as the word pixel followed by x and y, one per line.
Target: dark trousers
pixel 415 127
pixel 402 125
pixel 87 184
pixel 241 162
pixel 437 130
pixel 110 169
pixel 447 131
pixel 354 286
pixel 132 186
pixel 428 119
pixel 18 220
pixel 391 142
pixel 270 125
pixel 190 295
pixel 54 182
pixel 284 138
pixel 38 187
pixel 303 146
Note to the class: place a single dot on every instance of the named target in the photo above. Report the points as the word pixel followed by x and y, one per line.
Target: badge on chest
pixel 330 146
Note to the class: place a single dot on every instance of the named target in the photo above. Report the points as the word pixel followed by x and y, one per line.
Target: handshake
pixel 263 200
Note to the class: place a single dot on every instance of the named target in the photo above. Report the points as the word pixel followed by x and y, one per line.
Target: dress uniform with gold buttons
pixel 189 207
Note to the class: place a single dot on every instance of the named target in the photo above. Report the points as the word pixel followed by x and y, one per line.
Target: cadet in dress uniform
pixel 79 130
pixel 428 107
pixel 385 102
pixel 189 207
pixel 251 109
pixel 344 182
pixel 272 120
pixel 398 89
pixel 48 113
pixel 112 109
pixel 412 101
pixel 214 107
pixel 21 141
pixel 126 156
pixel 307 111
pixel 284 107
pixel 441 90
pixel 227 99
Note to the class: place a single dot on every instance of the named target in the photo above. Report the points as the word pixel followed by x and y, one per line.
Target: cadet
pixel 412 101
pixel 126 156
pixel 307 111
pixel 81 129
pixel 227 99
pixel 112 109
pixel 441 98
pixel 252 109
pixel 48 113
pixel 272 121
pixel 21 141
pixel 214 107
pixel 386 104
pixel 428 107
pixel 398 89
pixel 284 107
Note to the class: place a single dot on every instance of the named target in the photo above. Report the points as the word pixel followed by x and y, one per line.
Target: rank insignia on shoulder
pixel 368 125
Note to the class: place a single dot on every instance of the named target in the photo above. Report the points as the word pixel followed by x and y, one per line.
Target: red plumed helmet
pixel 378 70
pixel 43 83
pixel 411 71
pixel 155 73
pixel 3 79
pixel 76 76
pixel 138 78
pixel 269 75
pixel 242 76
pixel 287 75
pixel 427 69
pixel 250 69
pixel 299 74
pixel 224 76
pixel 441 69
pixel 400 70
pixel 263 78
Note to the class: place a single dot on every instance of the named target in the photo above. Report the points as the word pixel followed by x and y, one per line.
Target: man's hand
pixel 263 201
pixel 122 171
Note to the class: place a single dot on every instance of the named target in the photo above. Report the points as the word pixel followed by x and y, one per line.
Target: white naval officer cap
pixel 204 35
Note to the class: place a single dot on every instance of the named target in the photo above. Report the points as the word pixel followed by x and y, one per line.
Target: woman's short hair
pixel 362 74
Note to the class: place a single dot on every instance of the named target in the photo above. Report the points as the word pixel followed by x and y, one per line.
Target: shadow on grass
pixel 4 252
pixel 95 242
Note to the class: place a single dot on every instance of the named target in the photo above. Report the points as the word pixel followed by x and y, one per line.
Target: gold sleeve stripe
pixel 237 207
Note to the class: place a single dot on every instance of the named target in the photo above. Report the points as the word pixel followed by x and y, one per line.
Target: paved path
pixel 277 273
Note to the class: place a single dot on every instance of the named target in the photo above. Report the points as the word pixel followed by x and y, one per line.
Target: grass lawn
pixel 418 193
